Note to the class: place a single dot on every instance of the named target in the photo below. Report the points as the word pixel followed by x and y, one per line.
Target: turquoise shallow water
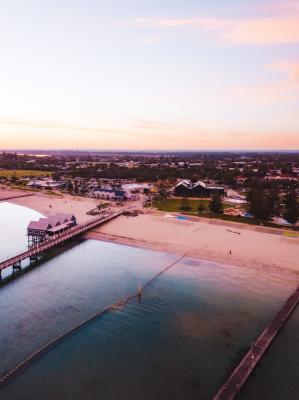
pixel 192 326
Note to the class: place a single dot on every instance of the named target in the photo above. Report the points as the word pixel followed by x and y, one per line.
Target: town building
pixel 234 197
pixel 197 189
pixel 37 231
pixel 135 188
pixel 46 184
pixel 109 194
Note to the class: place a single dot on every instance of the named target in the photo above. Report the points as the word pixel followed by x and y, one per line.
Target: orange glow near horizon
pixel 145 138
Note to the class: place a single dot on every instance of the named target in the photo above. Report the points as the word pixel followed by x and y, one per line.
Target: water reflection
pixel 191 328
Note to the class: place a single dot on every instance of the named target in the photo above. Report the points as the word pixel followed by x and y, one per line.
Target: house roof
pixel 133 186
pixel 50 222
pixel 200 183
pixel 54 221
pixel 65 216
pixel 120 193
pixel 216 187
pixel 59 227
pixel 104 190
pixel 206 186
pixel 185 182
pixel 40 225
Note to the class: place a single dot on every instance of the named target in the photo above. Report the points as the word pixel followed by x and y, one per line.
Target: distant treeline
pixel 222 167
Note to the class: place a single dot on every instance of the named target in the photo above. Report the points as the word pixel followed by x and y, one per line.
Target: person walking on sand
pixel 230 252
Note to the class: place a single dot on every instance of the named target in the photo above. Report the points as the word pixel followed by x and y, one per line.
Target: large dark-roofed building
pixel 198 189
pixel 39 230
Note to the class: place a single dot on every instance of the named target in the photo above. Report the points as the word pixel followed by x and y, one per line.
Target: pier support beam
pixel 35 239
pixel 32 259
pixel 16 266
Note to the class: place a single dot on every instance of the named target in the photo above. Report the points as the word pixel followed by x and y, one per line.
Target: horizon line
pixel 150 150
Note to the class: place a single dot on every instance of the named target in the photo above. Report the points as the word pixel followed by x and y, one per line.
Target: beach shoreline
pixel 254 247
pixel 256 250
pixel 272 270
pixel 48 204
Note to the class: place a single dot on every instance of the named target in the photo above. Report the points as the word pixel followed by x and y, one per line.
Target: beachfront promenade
pixel 35 250
pixel 233 385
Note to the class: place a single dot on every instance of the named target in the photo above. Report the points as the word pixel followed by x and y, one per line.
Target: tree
pixel 259 204
pixel 262 169
pixel 76 188
pixel 70 187
pixel 216 206
pixel 201 208
pixel 274 202
pixel 13 178
pixel 287 169
pixel 291 207
pixel 55 176
pixel 185 204
pixel 162 191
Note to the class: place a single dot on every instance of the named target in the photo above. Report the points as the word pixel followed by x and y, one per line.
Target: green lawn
pixel 244 220
pixel 20 173
pixel 173 205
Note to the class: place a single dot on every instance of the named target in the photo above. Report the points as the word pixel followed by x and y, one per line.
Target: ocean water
pixel 276 377
pixel 13 224
pixel 191 328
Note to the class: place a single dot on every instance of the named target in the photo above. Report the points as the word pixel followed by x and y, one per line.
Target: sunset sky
pixel 149 74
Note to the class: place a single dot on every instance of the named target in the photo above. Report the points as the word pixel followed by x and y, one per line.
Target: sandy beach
pixel 242 246
pixel 253 247
pixel 51 204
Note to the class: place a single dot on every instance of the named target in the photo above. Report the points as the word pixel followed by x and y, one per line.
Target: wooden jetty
pixel 36 250
pixel 233 385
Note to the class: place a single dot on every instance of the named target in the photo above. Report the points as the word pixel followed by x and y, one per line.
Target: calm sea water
pixel 191 328
pixel 13 224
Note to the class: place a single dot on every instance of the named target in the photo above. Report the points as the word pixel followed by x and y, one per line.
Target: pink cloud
pixel 264 31
pixel 164 22
pixel 285 7
pixel 290 68
pixel 261 31
pixel 201 23
pixel 175 22
pixel 283 90
pixel 209 24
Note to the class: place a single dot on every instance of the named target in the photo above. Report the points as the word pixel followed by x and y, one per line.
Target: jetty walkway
pixel 232 386
pixel 34 251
